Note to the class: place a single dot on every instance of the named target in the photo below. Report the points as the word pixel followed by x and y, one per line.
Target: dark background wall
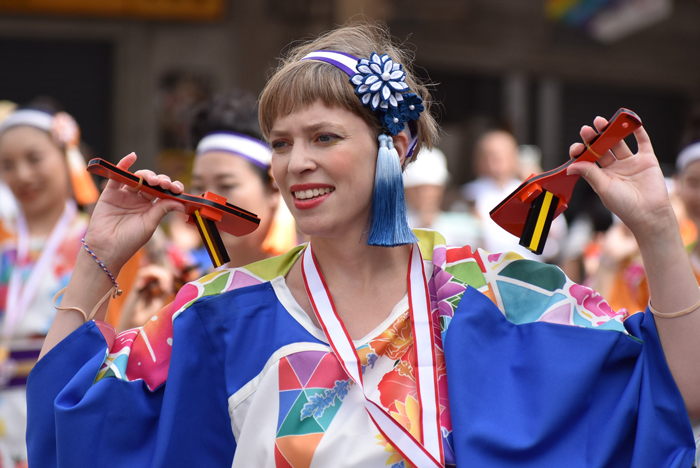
pixel 493 62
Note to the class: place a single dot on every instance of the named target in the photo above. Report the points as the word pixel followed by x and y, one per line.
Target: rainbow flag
pixel 575 12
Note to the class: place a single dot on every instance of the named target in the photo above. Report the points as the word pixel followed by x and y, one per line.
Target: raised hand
pixel 631 185
pixel 122 222
pixel 124 218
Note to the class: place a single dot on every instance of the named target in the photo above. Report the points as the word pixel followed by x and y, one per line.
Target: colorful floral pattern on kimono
pixel 30 330
pixel 312 385
pixel 398 390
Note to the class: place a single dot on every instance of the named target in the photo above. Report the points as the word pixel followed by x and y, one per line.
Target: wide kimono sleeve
pixel 76 421
pixel 543 373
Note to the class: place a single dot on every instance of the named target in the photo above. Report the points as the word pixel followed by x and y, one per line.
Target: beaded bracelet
pixel 117 291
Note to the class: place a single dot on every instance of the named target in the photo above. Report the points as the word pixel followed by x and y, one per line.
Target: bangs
pixel 296 83
pixel 302 84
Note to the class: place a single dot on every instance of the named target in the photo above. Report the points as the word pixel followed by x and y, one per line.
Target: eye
pixel 34 157
pixel 278 145
pixel 327 138
pixel 228 187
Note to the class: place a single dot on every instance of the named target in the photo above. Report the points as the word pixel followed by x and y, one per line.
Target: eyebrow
pixel 309 128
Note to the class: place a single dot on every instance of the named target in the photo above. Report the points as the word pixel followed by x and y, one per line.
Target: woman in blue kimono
pixel 372 345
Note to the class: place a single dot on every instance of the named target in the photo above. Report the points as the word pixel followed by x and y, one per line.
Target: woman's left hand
pixel 631 185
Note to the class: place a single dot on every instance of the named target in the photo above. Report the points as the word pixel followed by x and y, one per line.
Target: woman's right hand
pixel 124 219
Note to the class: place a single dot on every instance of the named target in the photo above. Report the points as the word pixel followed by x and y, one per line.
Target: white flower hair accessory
pixel 380 82
pixel 381 85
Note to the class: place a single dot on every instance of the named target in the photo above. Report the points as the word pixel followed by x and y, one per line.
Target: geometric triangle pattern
pixel 288 379
pixel 294 424
pixel 312 386
pixel 296 451
pixel 280 461
pixel 287 400
pixel 304 364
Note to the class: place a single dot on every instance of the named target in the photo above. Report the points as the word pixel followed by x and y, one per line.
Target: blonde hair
pixel 297 84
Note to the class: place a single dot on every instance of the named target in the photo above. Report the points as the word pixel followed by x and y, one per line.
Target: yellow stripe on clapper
pixel 541 220
pixel 211 247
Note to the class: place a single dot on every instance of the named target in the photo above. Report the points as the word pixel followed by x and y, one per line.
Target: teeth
pixel 306 194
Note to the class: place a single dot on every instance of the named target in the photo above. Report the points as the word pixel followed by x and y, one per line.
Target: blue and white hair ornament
pixel 381 84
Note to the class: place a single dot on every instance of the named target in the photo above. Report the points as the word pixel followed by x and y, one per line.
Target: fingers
pixel 589 171
pixel 605 160
pixel 149 177
pixel 588 134
pixel 159 180
pixel 177 187
pixel 125 163
pixel 643 141
pixel 162 207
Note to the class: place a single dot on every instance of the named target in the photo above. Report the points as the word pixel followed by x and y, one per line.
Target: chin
pixel 313 231
pixel 34 207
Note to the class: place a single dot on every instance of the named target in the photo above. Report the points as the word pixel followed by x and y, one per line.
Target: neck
pixel 41 223
pixel 244 257
pixel 353 262
pixel 502 181
pixel 427 217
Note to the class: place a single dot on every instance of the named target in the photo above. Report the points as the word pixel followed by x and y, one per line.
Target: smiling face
pixel 237 180
pixel 323 161
pixel 35 169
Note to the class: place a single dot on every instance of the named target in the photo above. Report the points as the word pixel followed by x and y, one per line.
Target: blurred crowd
pixel 45 202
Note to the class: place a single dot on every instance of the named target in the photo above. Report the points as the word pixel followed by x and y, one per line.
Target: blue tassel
pixel 389 222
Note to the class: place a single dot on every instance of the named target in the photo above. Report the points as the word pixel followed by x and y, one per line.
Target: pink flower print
pixel 445 288
pixel 594 303
pixel 439 256
pixel 493 258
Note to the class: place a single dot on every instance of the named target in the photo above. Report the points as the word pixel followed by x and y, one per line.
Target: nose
pixel 301 160
pixel 23 172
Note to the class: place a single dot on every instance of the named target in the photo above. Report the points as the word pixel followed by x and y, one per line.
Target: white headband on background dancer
pixel 282 235
pixel 689 154
pixel 66 133
pixel 249 148
pixel 380 84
